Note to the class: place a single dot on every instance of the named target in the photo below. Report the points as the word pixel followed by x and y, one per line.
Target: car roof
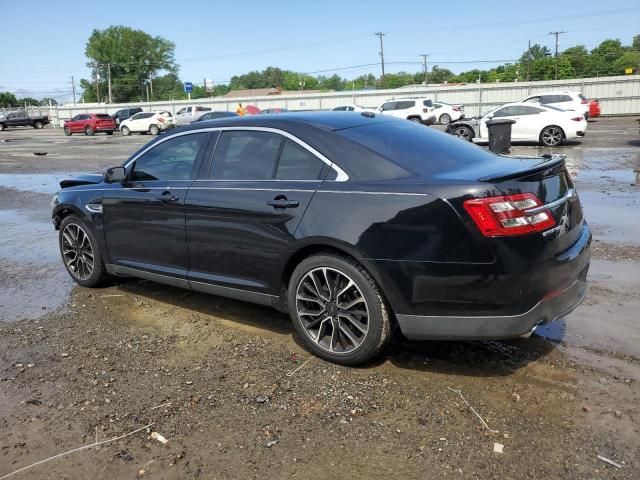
pixel 325 120
pixel 566 92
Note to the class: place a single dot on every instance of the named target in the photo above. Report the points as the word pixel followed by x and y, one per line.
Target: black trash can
pixel 500 134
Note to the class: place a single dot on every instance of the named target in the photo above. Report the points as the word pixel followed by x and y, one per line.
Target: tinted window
pixel 556 98
pixel 505 111
pixel 404 104
pixel 245 155
pixel 417 149
pixel 169 160
pixel 339 109
pixel 144 115
pixel 533 100
pixel 181 111
pixel 103 116
pixel 437 105
pixel 298 163
pixel 428 103
pixel 525 110
pixel 388 106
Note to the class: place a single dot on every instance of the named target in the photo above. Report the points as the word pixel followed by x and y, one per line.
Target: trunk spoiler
pixel 549 161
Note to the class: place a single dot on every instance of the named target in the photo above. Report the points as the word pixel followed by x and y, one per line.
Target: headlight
pixel 54 201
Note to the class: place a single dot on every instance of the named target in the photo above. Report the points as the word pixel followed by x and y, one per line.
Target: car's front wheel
pixel 67 131
pixel 125 131
pixel 551 136
pixel 463 132
pixel 337 309
pixel 88 131
pixel 154 130
pixel 38 124
pixel 80 252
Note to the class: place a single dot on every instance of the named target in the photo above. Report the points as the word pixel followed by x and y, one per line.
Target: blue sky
pixel 44 41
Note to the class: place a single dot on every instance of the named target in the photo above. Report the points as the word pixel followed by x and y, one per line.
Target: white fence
pixel 618 95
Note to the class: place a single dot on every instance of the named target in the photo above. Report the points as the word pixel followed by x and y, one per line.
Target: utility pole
pixel 424 63
pixel 109 80
pixel 557 34
pixel 97 84
pixel 380 34
pixel 73 88
pixel 528 59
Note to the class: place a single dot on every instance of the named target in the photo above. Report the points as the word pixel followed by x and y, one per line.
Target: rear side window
pixel 298 163
pixel 103 116
pixel 144 115
pixel 245 155
pixel 404 104
pixel 582 97
pixel 420 150
pixel 427 103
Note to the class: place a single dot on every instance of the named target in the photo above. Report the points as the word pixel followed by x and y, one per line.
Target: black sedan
pixel 350 222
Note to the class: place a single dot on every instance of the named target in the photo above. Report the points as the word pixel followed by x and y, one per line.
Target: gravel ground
pixel 234 394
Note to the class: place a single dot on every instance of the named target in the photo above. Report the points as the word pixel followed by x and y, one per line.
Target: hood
pixel 85 179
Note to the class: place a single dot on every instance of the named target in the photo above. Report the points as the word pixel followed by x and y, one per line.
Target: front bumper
pixel 418 327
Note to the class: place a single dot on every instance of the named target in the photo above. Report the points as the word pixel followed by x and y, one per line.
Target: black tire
pixel 154 129
pixel 464 132
pixel 67 131
pixel 552 136
pixel 2 127
pixel 378 322
pixel 99 273
pixel 38 124
pixel 445 119
pixel 125 131
pixel 110 133
pixel 88 131
pixel 415 119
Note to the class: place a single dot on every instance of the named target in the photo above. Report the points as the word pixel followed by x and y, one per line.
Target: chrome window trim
pixel 341 175
pixel 569 195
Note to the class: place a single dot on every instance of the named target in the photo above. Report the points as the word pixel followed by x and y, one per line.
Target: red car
pixel 594 108
pixel 90 123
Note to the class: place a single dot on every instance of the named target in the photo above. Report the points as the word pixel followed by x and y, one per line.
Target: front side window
pixel 245 155
pixel 181 111
pixel 388 106
pixel 172 159
pixel 505 112
pixel 298 163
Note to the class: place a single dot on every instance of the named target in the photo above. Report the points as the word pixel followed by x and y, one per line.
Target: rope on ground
pixel 76 450
pixel 472 409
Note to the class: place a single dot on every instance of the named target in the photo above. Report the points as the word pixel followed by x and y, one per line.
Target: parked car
pixel 594 108
pixel 90 123
pixel 215 115
pixel 147 122
pixel 350 108
pixel 22 118
pixel 547 125
pixel 344 222
pixel 273 110
pixel 125 113
pixel 446 113
pixel 575 101
pixel 189 114
pixel 419 110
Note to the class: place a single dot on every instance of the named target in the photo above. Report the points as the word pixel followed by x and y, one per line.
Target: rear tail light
pixel 456 109
pixel 161 120
pixel 584 101
pixel 509 215
pixel 578 118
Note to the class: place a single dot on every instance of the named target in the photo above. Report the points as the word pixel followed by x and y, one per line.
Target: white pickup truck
pixel 188 114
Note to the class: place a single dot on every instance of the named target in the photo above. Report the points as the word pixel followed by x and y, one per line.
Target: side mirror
pixel 489 116
pixel 115 175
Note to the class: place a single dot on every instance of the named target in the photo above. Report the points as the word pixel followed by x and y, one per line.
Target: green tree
pixel 604 57
pixel 28 101
pixel 536 52
pixel 629 59
pixel 46 100
pixel 635 45
pixel 134 57
pixel 578 57
pixel 8 99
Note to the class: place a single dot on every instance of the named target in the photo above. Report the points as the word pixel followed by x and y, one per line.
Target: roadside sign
pixel 208 85
pixel 628 71
pixel 188 87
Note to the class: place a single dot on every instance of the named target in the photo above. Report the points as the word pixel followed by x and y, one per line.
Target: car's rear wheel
pixel 1 127
pixel 463 132
pixel 154 130
pixel 38 124
pixel 67 131
pixel 415 119
pixel 337 309
pixel 125 131
pixel 80 253
pixel 88 131
pixel 445 119
pixel 551 136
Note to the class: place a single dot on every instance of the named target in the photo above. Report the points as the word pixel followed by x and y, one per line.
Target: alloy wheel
pixel 332 310
pixel 445 119
pixel 77 251
pixel 462 132
pixel 551 136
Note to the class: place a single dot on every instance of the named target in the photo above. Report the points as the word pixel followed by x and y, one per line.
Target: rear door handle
pixel 166 198
pixel 281 202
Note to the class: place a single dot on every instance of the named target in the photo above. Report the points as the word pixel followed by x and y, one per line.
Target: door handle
pixel 281 202
pixel 166 198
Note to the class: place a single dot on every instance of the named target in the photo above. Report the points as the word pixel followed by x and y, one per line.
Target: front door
pixel 243 214
pixel 144 217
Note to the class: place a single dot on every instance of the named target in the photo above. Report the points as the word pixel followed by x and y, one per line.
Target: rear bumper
pixel 493 327
pixel 104 128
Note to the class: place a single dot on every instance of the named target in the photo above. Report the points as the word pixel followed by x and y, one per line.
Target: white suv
pixel 575 101
pixel 147 122
pixel 418 110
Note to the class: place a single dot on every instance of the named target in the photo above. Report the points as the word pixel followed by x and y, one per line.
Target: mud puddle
pixel 613 216
pixel 32 279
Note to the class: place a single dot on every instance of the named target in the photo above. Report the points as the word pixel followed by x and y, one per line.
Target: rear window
pixel 582 97
pixel 103 116
pixel 403 104
pixel 422 151
pixel 428 103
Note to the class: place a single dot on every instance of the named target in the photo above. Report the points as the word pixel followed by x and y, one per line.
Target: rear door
pixel 144 217
pixel 243 212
